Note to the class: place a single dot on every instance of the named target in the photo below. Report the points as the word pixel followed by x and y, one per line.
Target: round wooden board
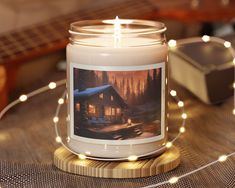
pixel 66 161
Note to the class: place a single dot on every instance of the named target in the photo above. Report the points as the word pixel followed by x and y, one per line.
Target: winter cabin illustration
pixel 101 105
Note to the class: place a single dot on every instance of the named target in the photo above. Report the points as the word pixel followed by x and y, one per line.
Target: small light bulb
pixel 55 119
pixel 52 85
pixel 195 3
pixel 180 103
pixel 225 2
pixel 132 158
pixel 169 144
pixel 61 101
pixel 23 98
pixel 88 152
pixel 206 38
pixel 173 180
pixel 234 111
pixel 184 116
pixel 227 44
pixel 68 118
pixel 173 93
pixel 182 129
pixel 81 156
pixel 222 158
pixel 68 139
pixel 167 128
pixel 58 139
pixel 234 61
pixel 234 85
pixel 172 43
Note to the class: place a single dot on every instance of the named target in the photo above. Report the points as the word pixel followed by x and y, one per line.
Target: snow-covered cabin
pixel 103 104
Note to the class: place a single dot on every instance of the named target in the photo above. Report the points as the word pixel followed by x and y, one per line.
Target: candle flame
pixel 121 21
pixel 117 25
pixel 117 32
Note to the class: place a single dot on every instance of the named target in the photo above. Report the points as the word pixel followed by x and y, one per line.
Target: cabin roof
pixel 89 92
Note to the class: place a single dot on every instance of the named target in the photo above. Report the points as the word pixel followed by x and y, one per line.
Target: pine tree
pixel 105 78
pixel 148 86
pixel 154 74
pixel 132 85
pixel 115 84
pixel 91 78
pixel 75 79
pixel 123 86
pixel 159 84
pixel 154 85
pixel 97 80
pixel 138 88
pixel 133 97
pixel 128 90
pixel 80 79
pixel 138 97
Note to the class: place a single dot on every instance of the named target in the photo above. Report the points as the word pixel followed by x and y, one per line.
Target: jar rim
pixel 133 27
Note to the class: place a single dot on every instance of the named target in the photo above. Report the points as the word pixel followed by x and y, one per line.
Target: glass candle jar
pixel 117 87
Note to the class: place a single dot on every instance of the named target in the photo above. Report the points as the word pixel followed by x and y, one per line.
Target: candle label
pixel 117 103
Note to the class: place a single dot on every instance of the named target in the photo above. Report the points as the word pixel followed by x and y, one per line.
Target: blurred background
pixel 33 34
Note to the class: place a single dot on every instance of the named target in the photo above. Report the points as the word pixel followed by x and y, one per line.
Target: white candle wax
pixel 130 51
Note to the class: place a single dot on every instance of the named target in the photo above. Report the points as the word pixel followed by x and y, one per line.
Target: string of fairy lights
pixel 173 93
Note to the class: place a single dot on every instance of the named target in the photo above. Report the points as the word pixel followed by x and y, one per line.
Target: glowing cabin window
pixel 107 111
pixel 111 98
pixel 78 107
pixel 91 109
pixel 113 111
pixel 118 110
pixel 101 96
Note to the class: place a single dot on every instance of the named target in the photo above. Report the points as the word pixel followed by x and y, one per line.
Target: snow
pixel 91 91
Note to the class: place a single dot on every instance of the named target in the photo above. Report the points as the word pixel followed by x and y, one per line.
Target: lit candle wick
pixel 117 32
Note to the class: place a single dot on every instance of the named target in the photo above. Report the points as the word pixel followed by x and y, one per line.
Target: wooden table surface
pixel 27 132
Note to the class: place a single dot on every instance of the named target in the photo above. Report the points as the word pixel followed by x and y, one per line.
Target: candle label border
pixel 98 125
